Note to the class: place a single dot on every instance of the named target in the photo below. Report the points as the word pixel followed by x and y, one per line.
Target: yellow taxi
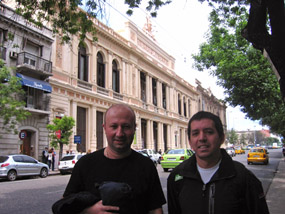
pixel 239 150
pixel 257 155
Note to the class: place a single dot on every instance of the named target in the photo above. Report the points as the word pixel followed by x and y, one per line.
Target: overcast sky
pixel 179 29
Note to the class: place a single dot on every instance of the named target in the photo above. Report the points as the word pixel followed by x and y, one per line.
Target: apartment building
pixel 29 51
pixel 127 67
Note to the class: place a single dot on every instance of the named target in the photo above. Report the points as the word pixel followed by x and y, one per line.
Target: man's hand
pixel 99 208
pixel 156 211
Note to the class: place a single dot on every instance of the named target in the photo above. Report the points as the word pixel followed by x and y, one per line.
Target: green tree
pixel 65 126
pixel 232 137
pixel 11 107
pixel 241 70
pixel 242 139
pixel 270 140
pixel 67 19
pixel 260 137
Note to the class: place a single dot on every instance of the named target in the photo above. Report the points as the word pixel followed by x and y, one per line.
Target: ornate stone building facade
pixel 129 68
pixel 84 81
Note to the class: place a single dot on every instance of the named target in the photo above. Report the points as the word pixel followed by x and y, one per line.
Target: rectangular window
pixel 164 96
pixel 154 94
pixel 115 81
pixel 143 87
pixel 184 107
pixel 101 75
pixel 82 64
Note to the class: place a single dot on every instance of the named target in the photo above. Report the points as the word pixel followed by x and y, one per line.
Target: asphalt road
pixel 36 195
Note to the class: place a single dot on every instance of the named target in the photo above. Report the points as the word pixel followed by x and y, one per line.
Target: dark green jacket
pixel 232 189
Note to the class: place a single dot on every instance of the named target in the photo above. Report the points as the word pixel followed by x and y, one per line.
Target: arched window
pixel 82 64
pixel 100 71
pixel 115 77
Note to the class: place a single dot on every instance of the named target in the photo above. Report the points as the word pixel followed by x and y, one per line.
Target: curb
pixel 275 194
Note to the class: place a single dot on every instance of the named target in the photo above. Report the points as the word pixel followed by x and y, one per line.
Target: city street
pixel 36 195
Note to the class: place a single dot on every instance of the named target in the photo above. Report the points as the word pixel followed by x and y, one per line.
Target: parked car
pixel 239 150
pixel 258 155
pixel 67 162
pixel 231 151
pixel 14 166
pixel 173 157
pixel 146 155
pixel 153 154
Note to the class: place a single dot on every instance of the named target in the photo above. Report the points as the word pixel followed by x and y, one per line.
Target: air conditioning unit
pixel 13 54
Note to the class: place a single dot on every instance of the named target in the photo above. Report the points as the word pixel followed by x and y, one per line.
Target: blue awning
pixel 34 83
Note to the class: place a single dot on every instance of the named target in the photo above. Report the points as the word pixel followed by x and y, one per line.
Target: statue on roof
pixel 148 27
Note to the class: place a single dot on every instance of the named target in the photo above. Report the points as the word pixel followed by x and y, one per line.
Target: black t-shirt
pixel 136 170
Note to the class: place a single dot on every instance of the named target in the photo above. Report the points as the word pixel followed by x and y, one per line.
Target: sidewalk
pixel 55 172
pixel 276 192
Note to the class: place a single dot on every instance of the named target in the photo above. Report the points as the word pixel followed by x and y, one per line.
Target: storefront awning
pixel 34 83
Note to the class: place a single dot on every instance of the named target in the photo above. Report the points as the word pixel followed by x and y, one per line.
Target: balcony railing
pixel 34 62
pixel 103 91
pixel 3 52
pixel 84 84
pixel 117 96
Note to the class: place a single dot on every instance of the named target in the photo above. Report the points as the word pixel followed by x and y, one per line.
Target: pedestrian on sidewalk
pixel 45 155
pixel 51 158
pixel 210 181
pixel 115 179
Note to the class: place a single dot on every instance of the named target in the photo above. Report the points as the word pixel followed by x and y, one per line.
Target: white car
pixel 66 164
pixel 153 154
pixel 231 151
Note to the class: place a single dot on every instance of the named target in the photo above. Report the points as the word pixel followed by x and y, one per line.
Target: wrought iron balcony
pixel 29 61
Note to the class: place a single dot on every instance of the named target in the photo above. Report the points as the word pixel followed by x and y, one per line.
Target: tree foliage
pixel 242 71
pixel 68 19
pixel 232 137
pixel 11 108
pixel 270 140
pixel 65 126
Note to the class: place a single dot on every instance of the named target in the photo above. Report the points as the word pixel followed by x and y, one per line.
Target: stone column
pixel 149 134
pixel 108 70
pixel 93 141
pixel 73 113
pixel 160 136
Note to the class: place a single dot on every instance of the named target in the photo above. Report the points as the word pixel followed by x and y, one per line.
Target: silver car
pixel 13 166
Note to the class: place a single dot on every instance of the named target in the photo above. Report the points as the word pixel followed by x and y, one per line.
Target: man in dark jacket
pixel 210 181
